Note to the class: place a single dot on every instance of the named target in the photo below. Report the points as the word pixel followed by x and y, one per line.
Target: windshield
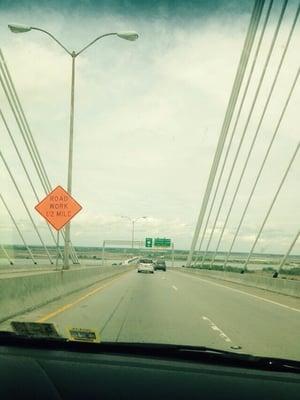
pixel 162 133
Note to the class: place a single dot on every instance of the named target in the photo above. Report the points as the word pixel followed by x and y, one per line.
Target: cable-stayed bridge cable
pixel 235 124
pixel 18 112
pixel 24 167
pixel 261 167
pixel 247 124
pixel 284 258
pixel 25 206
pixel 271 206
pixel 257 132
pixel 255 18
pixel 18 229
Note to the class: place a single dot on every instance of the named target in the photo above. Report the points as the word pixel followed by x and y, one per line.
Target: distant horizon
pixel 145 248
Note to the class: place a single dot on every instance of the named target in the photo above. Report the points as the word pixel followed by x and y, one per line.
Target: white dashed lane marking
pixel 215 328
pixel 174 287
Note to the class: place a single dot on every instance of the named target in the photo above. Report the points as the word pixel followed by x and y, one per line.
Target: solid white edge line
pixel 245 293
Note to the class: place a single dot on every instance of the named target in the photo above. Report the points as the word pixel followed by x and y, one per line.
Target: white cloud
pixel 148 115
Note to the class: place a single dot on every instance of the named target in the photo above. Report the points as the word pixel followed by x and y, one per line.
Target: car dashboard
pixel 38 369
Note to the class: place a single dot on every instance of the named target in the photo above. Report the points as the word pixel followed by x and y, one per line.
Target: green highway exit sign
pixel 162 242
pixel 148 242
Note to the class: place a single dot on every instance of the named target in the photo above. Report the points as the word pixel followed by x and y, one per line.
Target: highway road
pixel 174 307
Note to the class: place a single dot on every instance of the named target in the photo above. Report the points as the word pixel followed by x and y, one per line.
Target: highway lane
pixel 251 320
pixel 178 308
pixel 140 308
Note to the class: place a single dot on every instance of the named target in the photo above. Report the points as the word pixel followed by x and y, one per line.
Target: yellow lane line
pixel 72 304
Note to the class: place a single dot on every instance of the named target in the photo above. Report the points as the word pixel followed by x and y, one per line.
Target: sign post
pixel 57 249
pixel 58 208
pixel 103 250
pixel 172 254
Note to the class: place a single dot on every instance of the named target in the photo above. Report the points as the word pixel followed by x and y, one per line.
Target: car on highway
pixel 160 265
pixel 146 265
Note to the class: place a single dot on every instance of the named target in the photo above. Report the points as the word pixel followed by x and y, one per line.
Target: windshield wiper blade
pixel 202 353
pixel 171 348
pixel 168 351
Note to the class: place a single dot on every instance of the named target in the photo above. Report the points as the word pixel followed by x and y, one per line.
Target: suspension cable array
pixel 235 128
pixel 248 44
pixel 34 154
pixel 219 225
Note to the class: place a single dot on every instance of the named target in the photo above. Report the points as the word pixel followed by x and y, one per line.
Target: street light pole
pixel 70 163
pixel 133 221
pixel 127 35
pixel 132 235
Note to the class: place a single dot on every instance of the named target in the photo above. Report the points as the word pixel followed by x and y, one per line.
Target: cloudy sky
pixel 147 117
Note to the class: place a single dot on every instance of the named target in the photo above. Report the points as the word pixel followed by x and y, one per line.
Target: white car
pixel 146 265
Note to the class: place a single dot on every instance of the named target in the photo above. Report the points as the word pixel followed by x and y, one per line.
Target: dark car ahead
pixel 160 264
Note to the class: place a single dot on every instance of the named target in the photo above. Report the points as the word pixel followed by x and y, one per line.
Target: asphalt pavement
pixel 174 307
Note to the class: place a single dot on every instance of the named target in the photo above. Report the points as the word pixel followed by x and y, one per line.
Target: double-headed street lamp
pixel 133 221
pixel 129 35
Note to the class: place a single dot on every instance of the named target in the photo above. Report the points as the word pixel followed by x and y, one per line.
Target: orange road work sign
pixel 58 208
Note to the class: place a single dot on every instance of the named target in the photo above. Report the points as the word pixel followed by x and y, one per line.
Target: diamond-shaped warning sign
pixel 58 208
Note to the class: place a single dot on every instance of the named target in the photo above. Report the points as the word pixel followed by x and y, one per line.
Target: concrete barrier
pixel 278 285
pixel 25 293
